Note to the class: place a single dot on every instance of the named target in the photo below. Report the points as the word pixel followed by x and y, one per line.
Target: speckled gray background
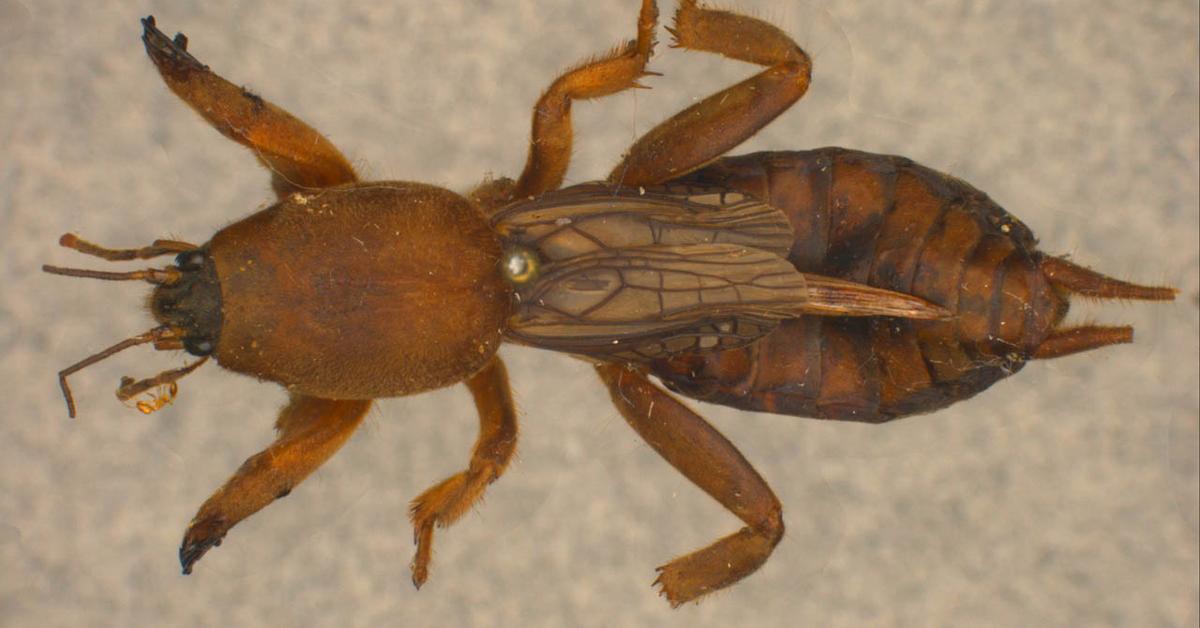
pixel 1066 496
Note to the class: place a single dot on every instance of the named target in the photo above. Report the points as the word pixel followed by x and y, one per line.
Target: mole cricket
pixel 826 283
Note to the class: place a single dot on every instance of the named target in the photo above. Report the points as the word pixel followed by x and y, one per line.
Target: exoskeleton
pixel 827 283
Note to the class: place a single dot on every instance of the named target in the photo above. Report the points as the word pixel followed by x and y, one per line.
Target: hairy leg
pixel 310 431
pixel 443 503
pixel 297 155
pixel 713 126
pixel 550 145
pixel 711 462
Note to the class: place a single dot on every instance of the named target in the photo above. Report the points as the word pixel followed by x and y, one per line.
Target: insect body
pixel 825 283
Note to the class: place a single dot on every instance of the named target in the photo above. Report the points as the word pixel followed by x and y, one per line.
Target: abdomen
pixel 890 223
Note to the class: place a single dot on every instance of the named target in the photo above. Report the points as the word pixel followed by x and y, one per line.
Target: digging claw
pixel 420 573
pixel 199 538
pixel 170 55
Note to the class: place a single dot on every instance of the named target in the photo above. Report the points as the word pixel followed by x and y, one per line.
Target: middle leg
pixel 446 501
pixel 550 145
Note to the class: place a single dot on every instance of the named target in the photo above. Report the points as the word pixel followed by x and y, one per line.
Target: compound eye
pixel 520 265
pixel 190 260
pixel 199 347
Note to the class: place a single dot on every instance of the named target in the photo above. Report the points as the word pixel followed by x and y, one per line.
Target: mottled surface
pixel 1064 496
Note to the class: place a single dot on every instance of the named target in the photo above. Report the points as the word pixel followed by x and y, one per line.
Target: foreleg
pixel 310 431
pixel 296 154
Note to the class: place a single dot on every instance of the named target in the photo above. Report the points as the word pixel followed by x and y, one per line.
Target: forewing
pixel 596 216
pixel 645 302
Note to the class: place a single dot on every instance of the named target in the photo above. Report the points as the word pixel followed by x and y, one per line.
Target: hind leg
pixel 713 126
pixel 711 462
